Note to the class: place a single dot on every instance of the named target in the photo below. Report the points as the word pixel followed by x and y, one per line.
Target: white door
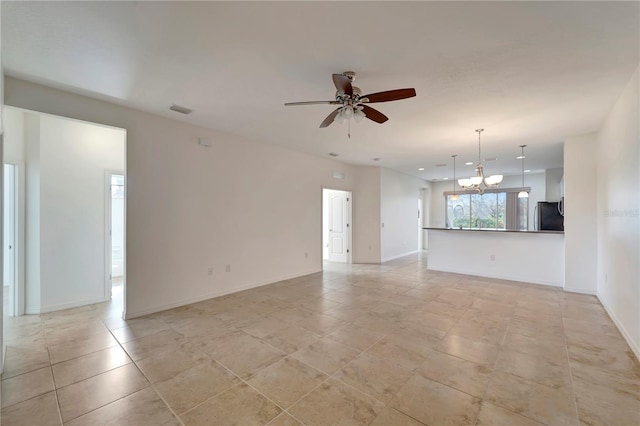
pixel 9 223
pixel 338 226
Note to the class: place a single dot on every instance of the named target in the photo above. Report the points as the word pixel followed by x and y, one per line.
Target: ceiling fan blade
pixel 327 121
pixel 343 84
pixel 312 103
pixel 391 95
pixel 373 114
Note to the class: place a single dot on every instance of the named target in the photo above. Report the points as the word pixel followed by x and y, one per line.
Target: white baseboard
pixel 386 259
pixel 580 291
pixel 53 308
pixel 623 331
pixel 496 276
pixel 183 302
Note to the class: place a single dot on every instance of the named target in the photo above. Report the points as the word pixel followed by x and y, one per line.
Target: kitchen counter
pixel 527 256
pixel 495 230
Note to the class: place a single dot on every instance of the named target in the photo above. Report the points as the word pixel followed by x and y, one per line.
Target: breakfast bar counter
pixel 528 256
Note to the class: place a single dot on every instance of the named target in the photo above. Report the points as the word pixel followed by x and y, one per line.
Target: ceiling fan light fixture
pixel 358 115
pixel 339 118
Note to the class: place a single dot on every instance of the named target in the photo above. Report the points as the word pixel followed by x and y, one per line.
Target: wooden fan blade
pixel 391 95
pixel 343 84
pixel 312 103
pixel 373 114
pixel 327 121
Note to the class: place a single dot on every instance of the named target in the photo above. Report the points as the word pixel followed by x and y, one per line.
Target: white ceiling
pixel 528 72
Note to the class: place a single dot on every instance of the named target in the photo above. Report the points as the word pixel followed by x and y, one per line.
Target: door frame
pixel 107 232
pixel 349 220
pixel 16 293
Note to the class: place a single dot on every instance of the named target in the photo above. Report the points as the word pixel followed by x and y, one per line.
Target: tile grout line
pixel 53 377
pixel 566 348
pixel 493 370
pixel 143 375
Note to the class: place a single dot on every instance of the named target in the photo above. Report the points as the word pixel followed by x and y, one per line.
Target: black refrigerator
pixel 549 216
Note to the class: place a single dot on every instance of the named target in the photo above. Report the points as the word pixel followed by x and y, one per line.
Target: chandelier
pixel 523 193
pixel 479 182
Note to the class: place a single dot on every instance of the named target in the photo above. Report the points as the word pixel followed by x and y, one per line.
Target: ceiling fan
pixel 353 104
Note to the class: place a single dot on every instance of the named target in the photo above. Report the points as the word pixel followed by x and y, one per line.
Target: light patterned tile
pixel 25 386
pixel 287 381
pixel 240 405
pixel 433 403
pixel 144 407
pixel 337 404
pixel 326 355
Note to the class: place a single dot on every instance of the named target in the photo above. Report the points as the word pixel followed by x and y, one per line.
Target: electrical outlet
pixel 492 257
pixel 210 271
pixel 227 268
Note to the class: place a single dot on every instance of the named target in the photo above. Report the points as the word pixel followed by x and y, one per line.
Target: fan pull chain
pixel 349 128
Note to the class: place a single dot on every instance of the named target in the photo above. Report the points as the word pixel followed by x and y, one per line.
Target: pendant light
pixel 454 196
pixel 479 182
pixel 523 193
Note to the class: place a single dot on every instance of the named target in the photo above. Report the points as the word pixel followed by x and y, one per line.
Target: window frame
pixel 496 191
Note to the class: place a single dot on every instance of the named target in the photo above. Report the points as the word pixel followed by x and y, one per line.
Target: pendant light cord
pixel 522 155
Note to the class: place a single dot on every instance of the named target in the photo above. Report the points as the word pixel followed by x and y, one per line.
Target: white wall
pixel 535 181
pixel 580 214
pixel 366 215
pixel 399 195
pixel 528 257
pixel 33 301
pixel 73 159
pixel 255 207
pixel 618 187
pixel 553 185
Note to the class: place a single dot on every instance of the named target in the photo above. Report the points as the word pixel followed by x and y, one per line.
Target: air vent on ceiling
pixel 441 165
pixel 491 159
pixel 180 109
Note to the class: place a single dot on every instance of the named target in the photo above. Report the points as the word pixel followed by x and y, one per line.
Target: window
pixel 491 210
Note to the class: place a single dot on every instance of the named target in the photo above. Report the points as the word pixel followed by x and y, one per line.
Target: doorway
pixel 336 225
pixel 9 239
pixel 423 221
pixel 115 238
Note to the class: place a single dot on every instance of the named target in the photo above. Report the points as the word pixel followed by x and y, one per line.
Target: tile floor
pixel 391 344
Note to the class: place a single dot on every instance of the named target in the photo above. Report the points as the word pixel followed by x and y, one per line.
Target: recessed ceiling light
pixel 520 157
pixel 527 171
pixel 333 154
pixel 180 109
pixel 468 163
pixel 421 169
pixel 445 178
